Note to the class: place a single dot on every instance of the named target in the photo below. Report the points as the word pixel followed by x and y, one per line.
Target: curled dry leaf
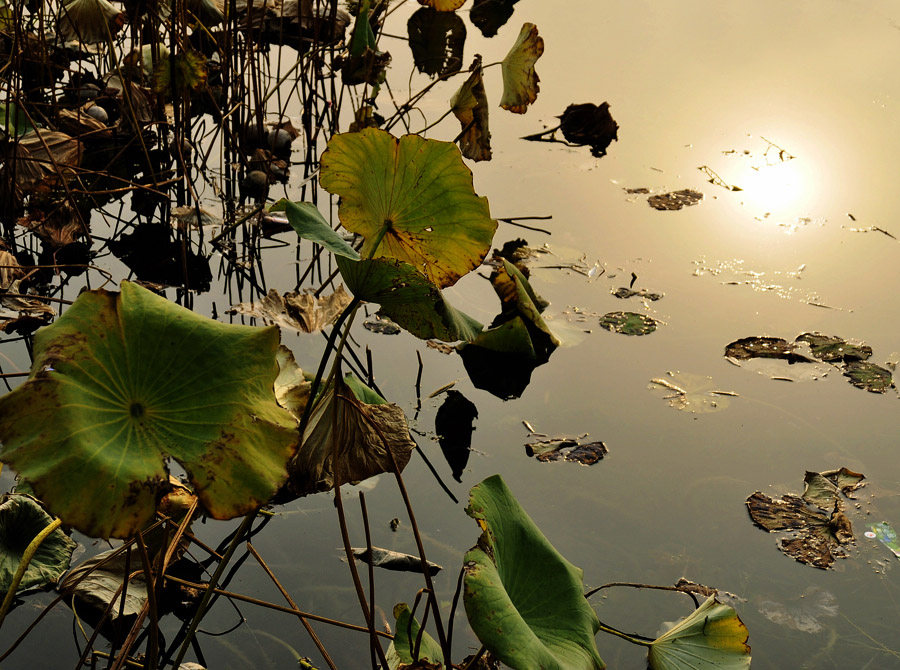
pixel 42 153
pixel 470 106
pixel 299 311
pixel 520 81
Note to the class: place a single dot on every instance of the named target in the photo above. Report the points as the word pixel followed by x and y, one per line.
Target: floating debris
pixel 382 325
pixel 691 393
pixel 675 200
pixel 567 449
pixel 624 292
pixel 716 180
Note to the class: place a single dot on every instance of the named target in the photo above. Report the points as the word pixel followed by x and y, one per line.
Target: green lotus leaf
pixel 712 638
pixel 411 199
pixel 401 651
pixel 347 440
pixel 309 224
pixel 523 599
pixel 185 72
pixel 628 323
pixel 123 381
pixel 12 117
pixel 520 81
pixel 407 297
pixel 510 337
pixel 833 349
pixel 21 519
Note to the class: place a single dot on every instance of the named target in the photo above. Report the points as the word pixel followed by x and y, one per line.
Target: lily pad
pixel 436 40
pixel 470 106
pixel 411 199
pixel 520 81
pixel 675 200
pixel 21 519
pixel 130 379
pixel 628 323
pixel 407 297
pixel 523 626
pixel 401 652
pixel 348 438
pixel 819 530
pixel 868 376
pixel 691 393
pixel 713 637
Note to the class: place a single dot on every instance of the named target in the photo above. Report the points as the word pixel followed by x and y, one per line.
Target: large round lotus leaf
pixel 712 638
pixel 628 323
pixel 123 381
pixel 524 600
pixel 411 199
pixel 21 519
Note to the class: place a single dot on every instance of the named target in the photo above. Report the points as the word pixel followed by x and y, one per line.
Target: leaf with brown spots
pixel 520 81
pixel 411 199
pixel 120 383
pixel 470 106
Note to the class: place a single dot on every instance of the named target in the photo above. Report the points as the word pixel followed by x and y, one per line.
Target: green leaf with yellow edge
pixel 469 104
pixel 406 632
pixel 123 381
pixel 411 199
pixel 712 638
pixel 520 81
pixel 408 297
pixel 524 600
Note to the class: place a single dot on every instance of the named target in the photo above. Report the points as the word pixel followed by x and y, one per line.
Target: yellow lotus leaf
pixel 520 81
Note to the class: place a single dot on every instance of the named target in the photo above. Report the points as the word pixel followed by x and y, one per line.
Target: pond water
pixel 806 245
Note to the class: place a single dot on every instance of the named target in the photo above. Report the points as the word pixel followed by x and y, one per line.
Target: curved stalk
pixel 23 565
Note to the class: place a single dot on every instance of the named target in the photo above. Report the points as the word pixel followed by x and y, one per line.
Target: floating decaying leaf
pixel 567 449
pixel 524 627
pixel 628 323
pixel 21 519
pixel 469 104
pixel 691 393
pixel 393 560
pixel 589 124
pixel 713 637
pixel 847 355
pixel 623 293
pixel 868 376
pixel 347 440
pixel 819 530
pixel 299 311
pixel 382 325
pixel 520 81
pixel 131 380
pixel 412 200
pixel 675 200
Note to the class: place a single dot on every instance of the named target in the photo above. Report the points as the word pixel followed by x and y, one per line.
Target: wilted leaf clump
pixel 819 531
